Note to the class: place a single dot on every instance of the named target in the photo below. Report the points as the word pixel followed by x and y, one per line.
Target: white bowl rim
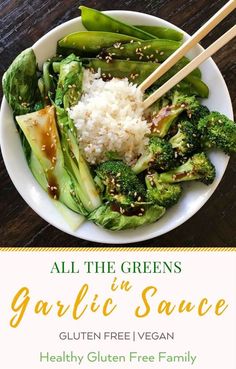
pixel 115 235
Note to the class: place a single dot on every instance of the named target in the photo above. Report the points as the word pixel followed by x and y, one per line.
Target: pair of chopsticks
pixel 179 53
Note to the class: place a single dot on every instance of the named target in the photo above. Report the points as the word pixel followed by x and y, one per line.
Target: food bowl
pixel 195 194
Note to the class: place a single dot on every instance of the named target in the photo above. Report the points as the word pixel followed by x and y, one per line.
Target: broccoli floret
pixel 199 113
pixel 163 194
pixel 218 131
pixel 158 154
pixel 121 183
pixel 198 167
pixel 186 140
pixel 162 121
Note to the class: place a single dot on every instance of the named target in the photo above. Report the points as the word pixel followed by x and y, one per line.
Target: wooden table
pixel 22 23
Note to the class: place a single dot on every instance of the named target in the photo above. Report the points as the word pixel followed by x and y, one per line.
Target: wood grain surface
pixel 22 22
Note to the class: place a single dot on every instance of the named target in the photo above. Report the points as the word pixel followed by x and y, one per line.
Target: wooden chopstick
pixel 218 44
pixel 188 45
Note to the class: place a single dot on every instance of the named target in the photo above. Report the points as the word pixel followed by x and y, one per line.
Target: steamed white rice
pixel 109 119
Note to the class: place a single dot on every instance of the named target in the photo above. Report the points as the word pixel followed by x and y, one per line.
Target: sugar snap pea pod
pixel 162 32
pixel 151 50
pixel 93 20
pixel 91 43
pixel 137 72
pixel 154 50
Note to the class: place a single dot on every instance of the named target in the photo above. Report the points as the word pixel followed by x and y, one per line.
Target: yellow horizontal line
pixel 118 249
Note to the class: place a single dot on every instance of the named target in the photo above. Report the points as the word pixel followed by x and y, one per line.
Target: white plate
pixel 195 194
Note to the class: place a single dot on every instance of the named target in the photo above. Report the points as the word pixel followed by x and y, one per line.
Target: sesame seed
pixel 132 205
pixel 162 53
pixel 139 198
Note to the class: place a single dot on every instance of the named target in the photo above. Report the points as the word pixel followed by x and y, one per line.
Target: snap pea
pixel 137 72
pixel 93 20
pixel 151 50
pixel 156 50
pixel 91 43
pixel 162 32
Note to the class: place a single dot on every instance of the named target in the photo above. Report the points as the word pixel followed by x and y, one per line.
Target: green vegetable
pixel 68 94
pixel 73 219
pixel 163 194
pixel 69 87
pixel 48 82
pixel 218 131
pixel 121 183
pixel 105 217
pixel 198 167
pixel 156 50
pixel 162 32
pixel 84 185
pixel 137 72
pixel 179 103
pixel 20 82
pixel 93 20
pixel 41 133
pixel 201 112
pixel 186 140
pixel 91 43
pixel 158 154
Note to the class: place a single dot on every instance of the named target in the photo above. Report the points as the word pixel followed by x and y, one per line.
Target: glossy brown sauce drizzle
pixel 128 211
